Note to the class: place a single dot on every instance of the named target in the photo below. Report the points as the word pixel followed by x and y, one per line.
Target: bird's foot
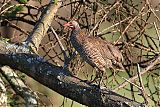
pixel 91 83
pixel 65 66
pixel 87 81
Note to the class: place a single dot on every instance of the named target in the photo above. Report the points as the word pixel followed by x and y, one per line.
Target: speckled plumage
pixel 95 51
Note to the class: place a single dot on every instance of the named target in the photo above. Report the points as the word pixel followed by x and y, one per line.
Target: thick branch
pixel 3 94
pixel 19 87
pixel 62 81
pixel 42 25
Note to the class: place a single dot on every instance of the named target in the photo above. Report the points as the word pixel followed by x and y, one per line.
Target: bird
pixel 98 53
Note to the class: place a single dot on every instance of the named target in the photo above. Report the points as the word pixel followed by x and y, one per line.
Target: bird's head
pixel 72 25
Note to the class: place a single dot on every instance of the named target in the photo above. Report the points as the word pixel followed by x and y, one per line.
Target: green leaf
pixel 23 1
pixel 13 11
pixel 55 1
pixel 4 39
pixel 18 8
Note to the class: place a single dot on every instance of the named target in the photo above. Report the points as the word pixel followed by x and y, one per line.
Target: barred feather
pixel 95 51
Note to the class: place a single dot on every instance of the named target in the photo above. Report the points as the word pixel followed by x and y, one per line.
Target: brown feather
pixel 95 51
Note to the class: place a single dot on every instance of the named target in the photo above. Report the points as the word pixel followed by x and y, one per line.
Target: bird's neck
pixel 75 32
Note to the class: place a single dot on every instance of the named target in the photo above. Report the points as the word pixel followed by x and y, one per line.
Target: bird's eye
pixel 114 62
pixel 71 26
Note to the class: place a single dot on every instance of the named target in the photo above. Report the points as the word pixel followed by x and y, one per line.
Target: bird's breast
pixel 88 51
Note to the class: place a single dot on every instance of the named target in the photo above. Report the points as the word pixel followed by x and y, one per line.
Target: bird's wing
pixel 92 54
pixel 117 56
pixel 102 47
pixel 115 52
pixel 109 52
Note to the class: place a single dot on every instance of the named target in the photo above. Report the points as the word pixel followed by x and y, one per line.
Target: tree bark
pixel 59 79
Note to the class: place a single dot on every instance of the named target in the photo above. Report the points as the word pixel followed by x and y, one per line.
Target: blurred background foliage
pixel 132 25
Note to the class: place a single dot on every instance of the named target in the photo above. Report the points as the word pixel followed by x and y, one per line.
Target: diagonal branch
pixel 60 80
pixel 19 87
pixel 151 65
pixel 3 94
pixel 42 25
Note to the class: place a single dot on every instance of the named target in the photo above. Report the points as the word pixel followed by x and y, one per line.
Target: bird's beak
pixel 67 24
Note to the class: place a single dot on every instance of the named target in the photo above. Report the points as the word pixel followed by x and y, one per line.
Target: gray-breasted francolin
pixel 95 51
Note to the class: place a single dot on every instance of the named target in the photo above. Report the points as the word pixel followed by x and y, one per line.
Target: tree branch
pixel 60 80
pixel 151 65
pixel 19 87
pixel 42 26
pixel 3 94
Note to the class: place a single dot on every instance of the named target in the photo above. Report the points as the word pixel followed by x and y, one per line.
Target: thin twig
pixel 142 86
pixel 148 3
pixel 130 24
pixel 97 24
pixel 132 83
pixel 60 43
pixel 66 59
pixel 152 64
pixel 100 33
pixel 4 4
pixel 158 34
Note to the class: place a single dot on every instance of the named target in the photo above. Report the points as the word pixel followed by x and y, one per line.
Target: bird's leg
pixel 96 76
pixel 114 72
pixel 68 60
pixel 101 78
pixel 99 75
